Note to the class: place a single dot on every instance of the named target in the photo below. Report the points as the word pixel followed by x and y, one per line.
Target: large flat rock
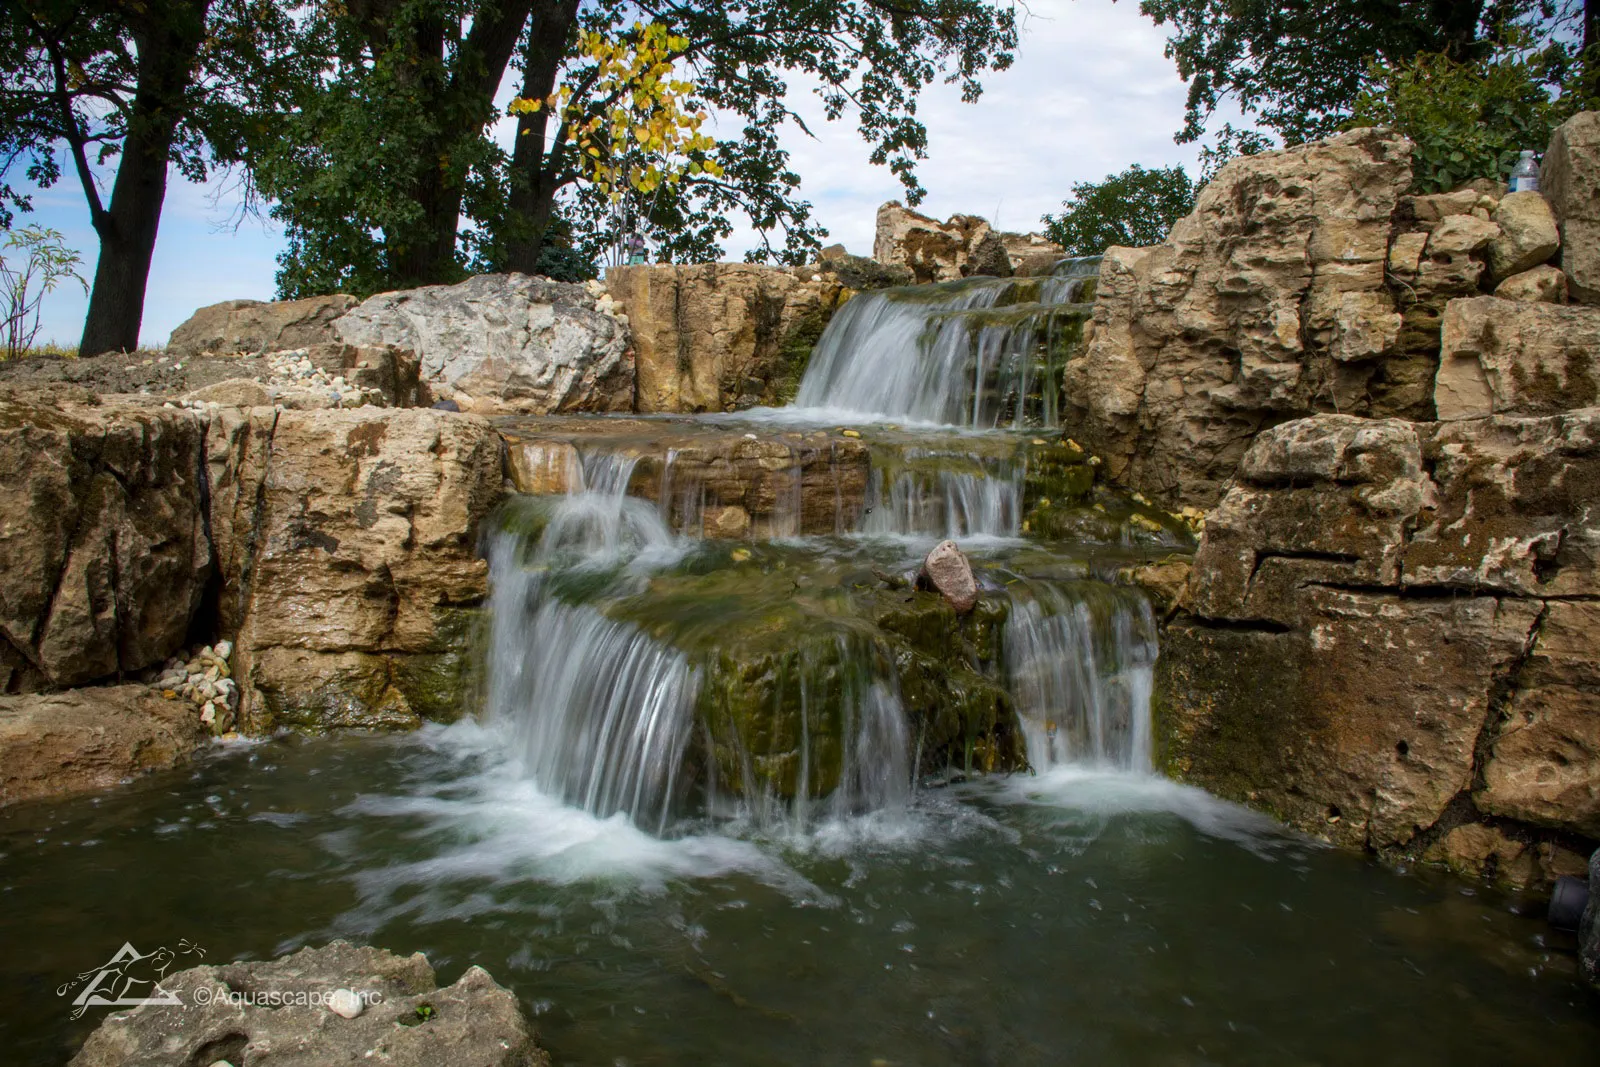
pixel 84 740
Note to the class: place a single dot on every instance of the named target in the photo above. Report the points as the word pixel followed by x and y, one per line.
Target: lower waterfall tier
pixel 788 681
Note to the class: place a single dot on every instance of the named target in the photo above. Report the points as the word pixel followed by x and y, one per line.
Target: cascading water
pixel 641 666
pixel 981 352
pixel 1080 665
pixel 944 503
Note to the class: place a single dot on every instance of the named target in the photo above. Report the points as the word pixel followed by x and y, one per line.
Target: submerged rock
pixel 288 1011
pixel 947 572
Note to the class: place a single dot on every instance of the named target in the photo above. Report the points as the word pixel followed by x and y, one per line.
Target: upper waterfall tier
pixel 980 353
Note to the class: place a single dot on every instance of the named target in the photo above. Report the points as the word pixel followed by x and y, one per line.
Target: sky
pixel 1090 93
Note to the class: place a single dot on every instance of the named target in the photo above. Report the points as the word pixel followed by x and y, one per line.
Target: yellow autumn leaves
pixel 644 133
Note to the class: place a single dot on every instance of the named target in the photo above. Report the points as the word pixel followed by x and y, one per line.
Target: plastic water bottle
pixel 1525 175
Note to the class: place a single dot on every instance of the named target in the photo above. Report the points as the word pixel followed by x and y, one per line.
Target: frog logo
pixel 128 979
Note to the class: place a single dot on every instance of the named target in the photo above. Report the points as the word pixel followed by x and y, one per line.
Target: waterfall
pixel 981 353
pixel 944 503
pixel 1080 664
pixel 597 521
pixel 598 712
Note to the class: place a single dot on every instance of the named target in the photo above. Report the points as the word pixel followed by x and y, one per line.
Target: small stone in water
pixel 344 1002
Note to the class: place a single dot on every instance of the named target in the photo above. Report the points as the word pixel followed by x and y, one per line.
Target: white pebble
pixel 344 1002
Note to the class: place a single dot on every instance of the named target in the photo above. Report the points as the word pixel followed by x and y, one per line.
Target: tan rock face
pixel 84 740
pixel 1500 357
pixel 1570 180
pixel 721 336
pixel 1528 234
pixel 962 246
pixel 1541 285
pixel 252 326
pixel 349 567
pixel 1386 639
pixel 103 551
pixel 1544 767
pixel 1268 301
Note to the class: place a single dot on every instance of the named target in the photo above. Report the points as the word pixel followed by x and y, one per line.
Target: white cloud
pixel 1090 93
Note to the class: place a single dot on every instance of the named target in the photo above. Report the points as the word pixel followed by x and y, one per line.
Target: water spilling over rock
pixel 980 353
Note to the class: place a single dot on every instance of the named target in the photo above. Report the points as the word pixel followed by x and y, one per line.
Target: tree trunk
pixel 1456 22
pixel 533 184
pixel 463 105
pixel 168 52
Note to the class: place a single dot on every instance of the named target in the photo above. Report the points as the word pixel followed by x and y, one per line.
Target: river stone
pixel 473 1023
pixel 1528 234
pixel 1570 180
pixel 83 740
pixel 1541 285
pixel 947 572
pixel 504 343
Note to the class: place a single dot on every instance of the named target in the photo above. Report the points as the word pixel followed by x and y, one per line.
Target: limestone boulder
pixel 84 740
pixel 1324 500
pixel 343 1004
pixel 721 336
pixel 1386 638
pixel 960 247
pixel 504 343
pixel 347 542
pixel 1503 357
pixel 1570 180
pixel 1359 724
pixel 1454 259
pixel 1516 508
pixel 1528 234
pixel 1268 302
pixel 249 326
pixel 1541 285
pixel 1544 765
pixel 104 557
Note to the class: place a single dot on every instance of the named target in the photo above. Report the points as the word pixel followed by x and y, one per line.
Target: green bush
pixel 1468 120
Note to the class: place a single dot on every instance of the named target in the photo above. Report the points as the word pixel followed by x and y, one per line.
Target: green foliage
pixel 565 264
pixel 384 172
pixel 38 261
pixel 1134 209
pixel 1468 120
pixel 1296 68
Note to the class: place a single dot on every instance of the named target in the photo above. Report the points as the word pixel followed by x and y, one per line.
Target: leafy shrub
pixel 1468 120
pixel 1133 209
pixel 38 262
